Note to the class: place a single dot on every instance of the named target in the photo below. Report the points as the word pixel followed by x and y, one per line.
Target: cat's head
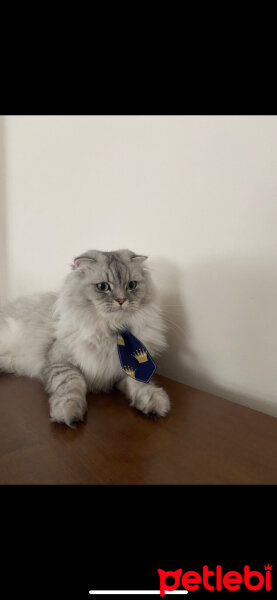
pixel 116 283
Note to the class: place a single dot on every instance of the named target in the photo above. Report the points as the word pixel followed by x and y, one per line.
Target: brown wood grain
pixel 203 440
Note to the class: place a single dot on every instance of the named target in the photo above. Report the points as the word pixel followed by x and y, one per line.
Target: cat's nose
pixel 120 300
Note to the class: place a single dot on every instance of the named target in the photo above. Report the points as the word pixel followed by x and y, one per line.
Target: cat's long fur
pixel 68 340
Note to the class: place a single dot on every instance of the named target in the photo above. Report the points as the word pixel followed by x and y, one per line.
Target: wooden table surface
pixel 203 440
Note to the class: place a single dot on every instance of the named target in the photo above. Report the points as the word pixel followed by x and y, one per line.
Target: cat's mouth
pixel 120 305
pixel 120 308
pixel 116 308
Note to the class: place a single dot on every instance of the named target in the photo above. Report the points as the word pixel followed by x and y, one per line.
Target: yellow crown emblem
pixel 120 340
pixel 130 371
pixel 141 356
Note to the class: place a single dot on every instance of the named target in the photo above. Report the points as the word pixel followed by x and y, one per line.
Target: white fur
pixel 42 335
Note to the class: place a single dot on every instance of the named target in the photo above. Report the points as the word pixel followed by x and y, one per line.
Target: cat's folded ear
pixel 83 264
pixel 138 258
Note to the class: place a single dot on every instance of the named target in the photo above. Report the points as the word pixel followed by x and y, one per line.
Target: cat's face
pixel 116 283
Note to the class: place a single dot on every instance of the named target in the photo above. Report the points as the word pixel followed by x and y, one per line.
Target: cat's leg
pixel 146 397
pixel 67 388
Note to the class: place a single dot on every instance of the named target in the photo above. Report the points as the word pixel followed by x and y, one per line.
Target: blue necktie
pixel 134 357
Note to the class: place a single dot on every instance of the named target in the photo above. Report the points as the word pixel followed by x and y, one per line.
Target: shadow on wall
pixel 179 360
pixel 3 239
pixel 226 342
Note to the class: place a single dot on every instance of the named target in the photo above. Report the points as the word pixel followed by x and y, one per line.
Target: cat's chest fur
pixel 94 351
pixel 99 361
pixel 91 344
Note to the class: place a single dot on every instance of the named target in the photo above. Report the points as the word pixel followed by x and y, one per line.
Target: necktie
pixel 134 357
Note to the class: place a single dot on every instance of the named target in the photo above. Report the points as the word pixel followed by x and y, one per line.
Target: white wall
pixel 196 193
pixel 3 240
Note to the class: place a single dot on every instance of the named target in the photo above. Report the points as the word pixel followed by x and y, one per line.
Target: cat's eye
pixel 103 286
pixel 131 285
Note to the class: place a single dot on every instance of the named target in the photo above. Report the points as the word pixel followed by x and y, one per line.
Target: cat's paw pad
pixel 158 404
pixel 70 413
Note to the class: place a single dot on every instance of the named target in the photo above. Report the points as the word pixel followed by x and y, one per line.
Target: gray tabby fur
pixel 68 340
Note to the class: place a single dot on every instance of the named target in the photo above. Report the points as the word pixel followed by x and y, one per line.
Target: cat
pixel 68 340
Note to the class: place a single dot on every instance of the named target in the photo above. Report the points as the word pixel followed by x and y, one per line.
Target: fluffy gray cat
pixel 69 340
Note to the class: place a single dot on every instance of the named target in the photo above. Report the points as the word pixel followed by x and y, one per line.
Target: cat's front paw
pixel 156 402
pixel 69 411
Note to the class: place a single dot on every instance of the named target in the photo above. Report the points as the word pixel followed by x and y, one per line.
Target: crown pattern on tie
pixel 134 357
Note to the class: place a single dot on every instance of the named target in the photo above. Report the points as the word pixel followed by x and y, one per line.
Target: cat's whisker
pixel 174 324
